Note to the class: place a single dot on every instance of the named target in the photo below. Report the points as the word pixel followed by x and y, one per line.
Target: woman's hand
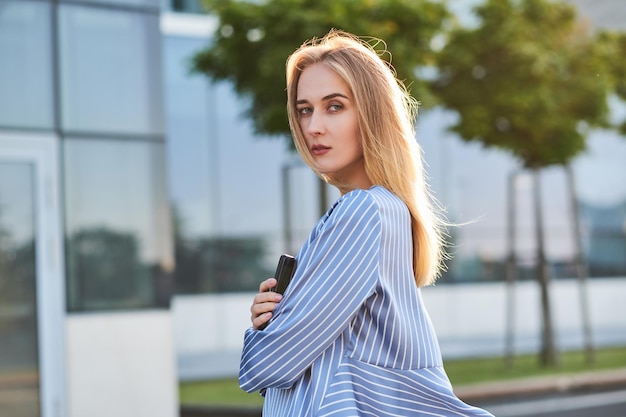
pixel 264 303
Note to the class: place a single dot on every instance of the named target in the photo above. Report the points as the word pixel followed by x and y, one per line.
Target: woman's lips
pixel 319 149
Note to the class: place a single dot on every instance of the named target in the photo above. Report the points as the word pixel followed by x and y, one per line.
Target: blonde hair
pixel 386 113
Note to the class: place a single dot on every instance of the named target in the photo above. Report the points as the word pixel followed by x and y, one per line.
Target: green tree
pixel 530 80
pixel 614 50
pixel 253 40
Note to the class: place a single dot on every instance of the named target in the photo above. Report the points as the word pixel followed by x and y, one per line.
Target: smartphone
pixel 284 272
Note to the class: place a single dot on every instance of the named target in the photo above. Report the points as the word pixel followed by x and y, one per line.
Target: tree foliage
pixel 253 40
pixel 614 49
pixel 530 79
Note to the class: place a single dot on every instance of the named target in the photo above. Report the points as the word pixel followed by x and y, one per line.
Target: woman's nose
pixel 316 125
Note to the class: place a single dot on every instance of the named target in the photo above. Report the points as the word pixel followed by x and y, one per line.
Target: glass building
pixel 86 244
pixel 129 187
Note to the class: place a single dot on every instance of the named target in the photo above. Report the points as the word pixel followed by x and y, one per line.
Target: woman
pixel 351 336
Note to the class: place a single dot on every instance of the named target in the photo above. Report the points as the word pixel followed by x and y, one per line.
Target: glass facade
pixel 91 71
pixel 116 225
pixel 118 235
pixel 127 3
pixel 26 82
pixel 110 71
pixel 472 184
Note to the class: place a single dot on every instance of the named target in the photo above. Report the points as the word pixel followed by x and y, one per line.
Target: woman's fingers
pixel 261 306
pixel 264 303
pixel 262 313
pixel 267 284
pixel 261 320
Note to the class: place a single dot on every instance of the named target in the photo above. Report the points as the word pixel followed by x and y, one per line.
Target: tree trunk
pixel 581 268
pixel 548 356
pixel 511 272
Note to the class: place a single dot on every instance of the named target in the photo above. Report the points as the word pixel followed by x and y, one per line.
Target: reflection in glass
pixel 118 243
pixel 139 3
pixel 187 6
pixel 191 157
pixel 471 184
pixel 19 363
pixel 606 238
pixel 209 256
pixel 110 71
pixel 25 65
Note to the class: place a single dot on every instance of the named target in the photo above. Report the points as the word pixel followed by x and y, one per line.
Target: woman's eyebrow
pixel 331 96
pixel 325 98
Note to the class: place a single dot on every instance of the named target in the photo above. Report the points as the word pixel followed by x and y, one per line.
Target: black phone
pixel 284 272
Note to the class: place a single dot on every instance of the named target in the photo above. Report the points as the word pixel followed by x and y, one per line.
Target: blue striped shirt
pixel 351 336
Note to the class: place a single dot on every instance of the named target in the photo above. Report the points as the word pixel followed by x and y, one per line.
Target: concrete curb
pixel 542 385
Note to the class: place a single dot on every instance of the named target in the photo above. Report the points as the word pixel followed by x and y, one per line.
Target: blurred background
pixel 140 206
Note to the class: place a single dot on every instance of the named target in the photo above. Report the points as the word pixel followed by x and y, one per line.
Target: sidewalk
pixel 542 385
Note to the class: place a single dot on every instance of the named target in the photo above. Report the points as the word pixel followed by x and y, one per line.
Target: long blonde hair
pixel 386 113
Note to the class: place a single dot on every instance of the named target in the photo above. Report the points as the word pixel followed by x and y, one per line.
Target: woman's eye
pixel 335 107
pixel 303 111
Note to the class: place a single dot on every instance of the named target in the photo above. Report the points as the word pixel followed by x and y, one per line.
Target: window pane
pixel 117 225
pixel 19 355
pixel 140 3
pixel 206 260
pixel 226 217
pixel 600 175
pixel 472 183
pixel 25 66
pixel 188 6
pixel 110 71
pixel 192 159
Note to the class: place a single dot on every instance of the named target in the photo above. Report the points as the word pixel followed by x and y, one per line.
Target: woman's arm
pixel 336 273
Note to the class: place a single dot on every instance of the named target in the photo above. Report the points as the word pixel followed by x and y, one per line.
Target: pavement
pixel 590 380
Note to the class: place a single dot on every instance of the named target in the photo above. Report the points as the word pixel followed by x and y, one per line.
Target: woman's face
pixel 328 118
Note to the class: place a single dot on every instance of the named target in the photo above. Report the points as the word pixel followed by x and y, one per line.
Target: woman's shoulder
pixel 373 199
pixel 355 200
pixel 385 198
pixel 376 195
pixel 373 194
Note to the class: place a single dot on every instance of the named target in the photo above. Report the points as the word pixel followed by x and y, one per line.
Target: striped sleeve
pixel 337 271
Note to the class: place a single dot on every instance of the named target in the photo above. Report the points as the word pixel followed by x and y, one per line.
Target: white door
pixel 32 310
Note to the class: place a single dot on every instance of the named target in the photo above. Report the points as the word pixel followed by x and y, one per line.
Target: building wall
pixel 121 364
pixel 87 75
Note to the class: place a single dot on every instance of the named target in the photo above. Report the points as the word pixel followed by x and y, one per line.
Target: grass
pixel 226 392
pixel 472 371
